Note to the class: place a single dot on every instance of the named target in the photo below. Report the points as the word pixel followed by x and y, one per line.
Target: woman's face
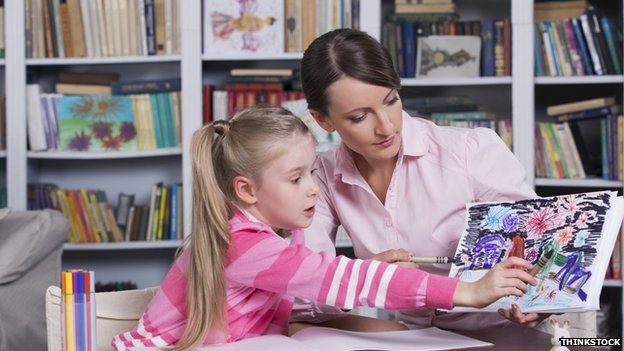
pixel 367 117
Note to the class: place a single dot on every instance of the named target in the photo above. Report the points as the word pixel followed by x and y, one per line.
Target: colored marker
pixel 86 288
pixel 437 259
pixel 541 263
pixel 80 311
pixel 93 310
pixel 69 312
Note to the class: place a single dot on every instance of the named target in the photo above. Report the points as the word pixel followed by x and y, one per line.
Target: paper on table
pixel 328 339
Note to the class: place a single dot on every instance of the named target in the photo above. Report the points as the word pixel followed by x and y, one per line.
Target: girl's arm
pixel 264 260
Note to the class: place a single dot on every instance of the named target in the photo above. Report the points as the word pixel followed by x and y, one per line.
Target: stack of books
pixel 98 28
pixel 306 20
pixel 558 10
pixel 424 6
pixel 401 32
pixel 249 87
pixel 583 139
pixel 586 44
pixel 141 115
pixel 458 111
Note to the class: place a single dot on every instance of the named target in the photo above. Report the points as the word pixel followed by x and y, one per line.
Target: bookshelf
pixel 519 97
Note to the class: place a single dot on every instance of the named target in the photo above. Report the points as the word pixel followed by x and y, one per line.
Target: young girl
pixel 252 179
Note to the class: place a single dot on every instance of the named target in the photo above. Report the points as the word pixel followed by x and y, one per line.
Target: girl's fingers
pixel 512 292
pixel 515 262
pixel 520 274
pixel 503 312
pixel 516 283
pixel 391 256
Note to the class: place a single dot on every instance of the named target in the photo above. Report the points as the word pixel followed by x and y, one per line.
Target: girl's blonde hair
pixel 221 151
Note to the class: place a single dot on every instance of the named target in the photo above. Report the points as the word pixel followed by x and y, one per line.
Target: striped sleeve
pixel 263 260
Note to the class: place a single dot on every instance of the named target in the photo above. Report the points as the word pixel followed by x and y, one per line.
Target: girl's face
pixel 367 117
pixel 288 193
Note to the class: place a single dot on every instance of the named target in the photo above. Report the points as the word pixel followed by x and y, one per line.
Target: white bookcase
pixel 146 263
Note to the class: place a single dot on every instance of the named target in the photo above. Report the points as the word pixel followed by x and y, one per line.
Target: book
pixel 95 78
pixel 240 27
pixel 568 239
pixel 576 106
pixel 82 89
pixel 96 123
pixel 147 86
pixel 329 339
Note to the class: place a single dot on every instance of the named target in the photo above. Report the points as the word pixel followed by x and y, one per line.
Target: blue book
pixel 604 148
pixel 539 71
pixel 146 86
pixel 409 49
pixel 158 134
pixel 150 27
pixel 587 114
pixel 399 50
pixel 549 29
pixel 607 29
pixel 487 49
pixel 173 232
pixel 582 46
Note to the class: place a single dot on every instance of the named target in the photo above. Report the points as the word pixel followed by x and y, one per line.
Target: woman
pixel 398 184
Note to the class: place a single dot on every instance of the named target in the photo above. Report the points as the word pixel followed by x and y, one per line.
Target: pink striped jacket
pixel 264 273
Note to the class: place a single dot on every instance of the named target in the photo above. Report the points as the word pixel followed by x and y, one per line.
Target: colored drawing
pixel 566 239
pixel 96 123
pixel 245 26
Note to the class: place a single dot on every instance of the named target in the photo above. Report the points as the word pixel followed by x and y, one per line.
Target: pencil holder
pixel 78 310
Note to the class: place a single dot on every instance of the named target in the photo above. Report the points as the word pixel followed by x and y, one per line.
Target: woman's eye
pixel 393 101
pixel 313 170
pixel 357 119
pixel 295 180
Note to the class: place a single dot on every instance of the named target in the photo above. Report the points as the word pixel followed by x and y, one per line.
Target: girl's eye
pixel 295 180
pixel 393 101
pixel 313 170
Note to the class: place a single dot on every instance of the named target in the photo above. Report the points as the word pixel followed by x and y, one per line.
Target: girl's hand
pixel 399 256
pixel 504 279
pixel 529 320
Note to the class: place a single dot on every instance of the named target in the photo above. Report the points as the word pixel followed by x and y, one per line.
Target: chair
pixel 116 312
pixel 31 244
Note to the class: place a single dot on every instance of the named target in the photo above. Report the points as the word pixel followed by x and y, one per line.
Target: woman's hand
pixel 529 320
pixel 400 257
pixel 504 279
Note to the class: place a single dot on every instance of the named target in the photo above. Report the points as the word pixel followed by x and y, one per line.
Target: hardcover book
pixel 96 123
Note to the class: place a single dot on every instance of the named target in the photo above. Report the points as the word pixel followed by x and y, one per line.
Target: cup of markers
pixel 78 310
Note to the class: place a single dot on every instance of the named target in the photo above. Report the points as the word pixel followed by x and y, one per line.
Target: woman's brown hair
pixel 344 52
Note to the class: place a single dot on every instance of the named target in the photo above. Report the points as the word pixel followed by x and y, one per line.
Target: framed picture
pixel 243 26
pixel 448 56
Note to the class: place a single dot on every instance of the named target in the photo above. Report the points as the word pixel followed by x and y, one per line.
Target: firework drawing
pixel 96 123
pixel 571 237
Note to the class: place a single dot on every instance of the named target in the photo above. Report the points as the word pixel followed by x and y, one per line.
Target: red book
pixel 207 116
pixel 507 41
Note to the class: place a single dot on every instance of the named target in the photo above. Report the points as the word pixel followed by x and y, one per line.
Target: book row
pixel 588 45
pixel 101 123
pixel 99 28
pixel 273 26
pixel 92 219
pixel 401 33
pixel 580 149
pixel 307 19
pixel 502 127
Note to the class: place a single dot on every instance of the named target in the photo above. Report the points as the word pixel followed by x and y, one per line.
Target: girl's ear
pixel 323 121
pixel 245 190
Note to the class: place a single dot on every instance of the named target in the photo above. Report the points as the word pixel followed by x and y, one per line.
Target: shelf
pixel 103 155
pixel 3 153
pixel 125 245
pixel 612 282
pixel 581 183
pixel 101 60
pixel 254 57
pixel 415 82
pixel 579 80
pixel 2 62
